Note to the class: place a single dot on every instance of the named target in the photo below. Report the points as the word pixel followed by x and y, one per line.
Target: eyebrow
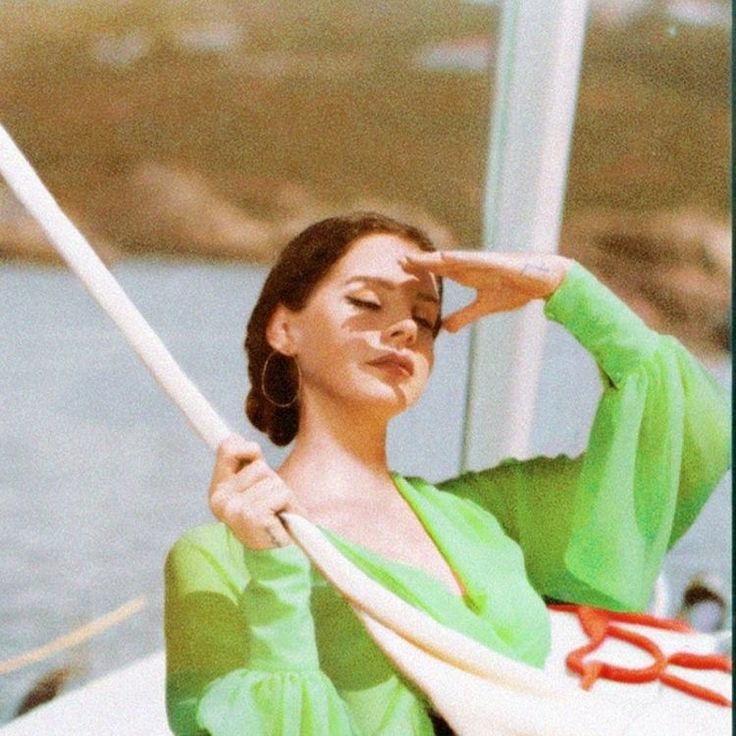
pixel 421 295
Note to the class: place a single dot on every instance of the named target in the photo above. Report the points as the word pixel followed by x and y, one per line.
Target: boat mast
pixel 537 73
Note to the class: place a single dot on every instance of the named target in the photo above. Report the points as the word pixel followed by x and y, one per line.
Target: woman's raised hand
pixel 246 494
pixel 503 281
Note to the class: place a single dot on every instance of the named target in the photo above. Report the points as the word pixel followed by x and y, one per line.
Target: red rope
pixel 597 624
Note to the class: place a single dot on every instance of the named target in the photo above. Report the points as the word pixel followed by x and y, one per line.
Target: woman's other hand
pixel 246 494
pixel 503 281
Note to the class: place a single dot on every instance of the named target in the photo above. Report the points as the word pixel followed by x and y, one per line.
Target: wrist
pixel 565 265
pixel 560 269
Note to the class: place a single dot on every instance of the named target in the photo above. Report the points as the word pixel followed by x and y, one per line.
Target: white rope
pixel 104 288
pixel 73 638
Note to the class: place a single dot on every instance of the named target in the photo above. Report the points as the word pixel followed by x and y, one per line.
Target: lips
pixel 396 363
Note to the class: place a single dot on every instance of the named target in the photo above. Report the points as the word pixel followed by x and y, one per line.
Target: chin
pixel 381 397
pixel 392 399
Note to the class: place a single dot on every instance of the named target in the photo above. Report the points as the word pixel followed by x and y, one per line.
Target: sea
pixel 100 473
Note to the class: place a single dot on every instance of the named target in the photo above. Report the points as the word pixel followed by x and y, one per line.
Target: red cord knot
pixel 598 624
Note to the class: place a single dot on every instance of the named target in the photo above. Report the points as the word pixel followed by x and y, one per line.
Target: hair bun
pixel 254 410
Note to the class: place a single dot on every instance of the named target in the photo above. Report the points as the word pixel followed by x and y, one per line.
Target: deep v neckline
pixel 421 512
pixel 412 499
pixel 498 607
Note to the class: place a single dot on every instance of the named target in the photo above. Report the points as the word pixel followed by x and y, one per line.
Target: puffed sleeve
pixel 240 644
pixel 595 529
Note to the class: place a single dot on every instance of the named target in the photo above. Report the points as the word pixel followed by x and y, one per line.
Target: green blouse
pixel 258 643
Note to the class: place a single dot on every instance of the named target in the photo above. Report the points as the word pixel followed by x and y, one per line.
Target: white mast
pixel 537 72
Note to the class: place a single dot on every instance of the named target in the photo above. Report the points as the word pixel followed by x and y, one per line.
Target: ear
pixel 280 330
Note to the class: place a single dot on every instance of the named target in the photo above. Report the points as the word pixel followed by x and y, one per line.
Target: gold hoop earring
pixel 270 399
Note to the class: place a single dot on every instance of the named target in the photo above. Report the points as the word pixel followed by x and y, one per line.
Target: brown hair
pixel 303 263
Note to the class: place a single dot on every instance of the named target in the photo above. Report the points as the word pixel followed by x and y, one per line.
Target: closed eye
pixel 429 324
pixel 425 323
pixel 363 303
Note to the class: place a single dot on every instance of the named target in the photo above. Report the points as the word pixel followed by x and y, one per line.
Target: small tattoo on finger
pixel 533 267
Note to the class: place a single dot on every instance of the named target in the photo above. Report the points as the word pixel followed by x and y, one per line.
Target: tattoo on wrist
pixel 272 538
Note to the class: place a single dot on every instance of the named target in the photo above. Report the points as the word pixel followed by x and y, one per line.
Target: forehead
pixel 379 255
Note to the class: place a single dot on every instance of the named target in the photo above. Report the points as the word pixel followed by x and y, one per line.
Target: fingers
pixel 503 281
pixel 252 513
pixel 247 495
pixel 545 270
pixel 266 494
pixel 475 270
pixel 457 320
pixel 500 299
pixel 234 447
pixel 277 534
pixel 442 263
pixel 232 454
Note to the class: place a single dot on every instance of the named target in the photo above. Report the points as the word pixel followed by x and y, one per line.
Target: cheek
pixel 330 352
pixel 425 363
pixel 428 354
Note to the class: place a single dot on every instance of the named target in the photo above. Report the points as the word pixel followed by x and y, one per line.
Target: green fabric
pixel 258 643
pixel 596 528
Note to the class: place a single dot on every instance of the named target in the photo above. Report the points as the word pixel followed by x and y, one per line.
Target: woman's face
pixel 366 334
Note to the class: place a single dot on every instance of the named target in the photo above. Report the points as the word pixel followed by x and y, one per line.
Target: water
pixel 99 474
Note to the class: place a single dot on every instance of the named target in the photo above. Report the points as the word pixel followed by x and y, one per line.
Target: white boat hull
pixel 130 701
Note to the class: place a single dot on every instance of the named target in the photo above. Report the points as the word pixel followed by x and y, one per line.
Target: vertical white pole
pixel 538 68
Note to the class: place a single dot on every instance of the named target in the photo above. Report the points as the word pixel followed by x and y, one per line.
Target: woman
pixel 340 342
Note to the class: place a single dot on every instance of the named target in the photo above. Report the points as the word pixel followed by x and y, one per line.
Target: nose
pixel 402 332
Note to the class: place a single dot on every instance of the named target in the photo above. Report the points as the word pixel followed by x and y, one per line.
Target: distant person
pixel 340 342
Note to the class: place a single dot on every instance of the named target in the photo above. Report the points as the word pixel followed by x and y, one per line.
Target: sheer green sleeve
pixel 241 656
pixel 596 528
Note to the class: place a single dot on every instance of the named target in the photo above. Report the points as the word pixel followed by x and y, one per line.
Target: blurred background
pixel 190 140
pixel 213 128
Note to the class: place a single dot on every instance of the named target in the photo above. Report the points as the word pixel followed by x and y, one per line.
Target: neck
pixel 337 451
